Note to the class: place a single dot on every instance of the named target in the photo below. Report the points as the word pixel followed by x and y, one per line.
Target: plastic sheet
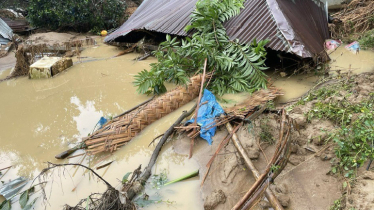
pixel 354 47
pixel 209 109
pixel 332 44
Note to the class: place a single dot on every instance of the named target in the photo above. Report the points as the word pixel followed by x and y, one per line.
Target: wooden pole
pixel 268 193
pixel 198 106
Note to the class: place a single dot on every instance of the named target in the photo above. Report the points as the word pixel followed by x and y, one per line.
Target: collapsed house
pixel 299 27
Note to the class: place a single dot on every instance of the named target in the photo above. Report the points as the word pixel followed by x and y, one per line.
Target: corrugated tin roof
pixel 169 17
pixel 257 20
pixel 3 41
pixel 5 32
pixel 308 22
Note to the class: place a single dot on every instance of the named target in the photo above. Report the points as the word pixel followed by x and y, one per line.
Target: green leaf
pixel 30 205
pixel 87 203
pixel 24 198
pixel 5 205
pixel 345 185
pixel 125 178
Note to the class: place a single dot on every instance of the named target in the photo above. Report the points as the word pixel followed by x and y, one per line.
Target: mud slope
pixel 305 183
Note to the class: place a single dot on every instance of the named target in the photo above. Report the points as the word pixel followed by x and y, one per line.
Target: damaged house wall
pixel 298 26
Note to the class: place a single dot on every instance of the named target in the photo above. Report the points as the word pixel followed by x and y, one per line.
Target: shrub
pixel 79 15
pixel 237 67
pixel 367 40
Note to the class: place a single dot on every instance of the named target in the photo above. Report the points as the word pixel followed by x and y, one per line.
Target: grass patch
pixel 355 138
pixel 367 41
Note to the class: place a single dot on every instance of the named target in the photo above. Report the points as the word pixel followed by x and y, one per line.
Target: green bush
pixel 79 15
pixel 13 4
pixel 367 40
pixel 236 67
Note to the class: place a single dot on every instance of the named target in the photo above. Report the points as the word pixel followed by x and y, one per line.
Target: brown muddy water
pixel 344 60
pixel 41 118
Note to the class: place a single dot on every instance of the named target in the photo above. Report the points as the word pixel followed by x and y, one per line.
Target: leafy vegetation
pixel 367 41
pixel 13 4
pixel 336 205
pixel 81 15
pixel 23 200
pixel 355 138
pixel 159 180
pixel 237 67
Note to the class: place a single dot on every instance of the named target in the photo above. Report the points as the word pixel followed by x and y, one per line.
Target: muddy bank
pixel 303 183
pixel 307 181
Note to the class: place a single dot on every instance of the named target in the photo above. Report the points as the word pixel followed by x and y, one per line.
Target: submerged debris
pixel 119 131
pixel 29 53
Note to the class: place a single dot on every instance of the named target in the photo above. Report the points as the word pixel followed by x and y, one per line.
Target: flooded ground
pixel 41 118
pixel 342 60
pixel 345 60
pixel 294 86
pixel 7 62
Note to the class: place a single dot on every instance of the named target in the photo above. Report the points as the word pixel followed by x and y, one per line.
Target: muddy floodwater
pixel 345 60
pixel 342 61
pixel 41 118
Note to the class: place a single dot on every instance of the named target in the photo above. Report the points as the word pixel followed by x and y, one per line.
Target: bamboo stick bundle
pixel 122 129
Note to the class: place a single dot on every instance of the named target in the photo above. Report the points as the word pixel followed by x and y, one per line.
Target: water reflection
pixel 88 116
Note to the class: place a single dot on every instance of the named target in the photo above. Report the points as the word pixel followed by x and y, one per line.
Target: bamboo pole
pixel 198 106
pixel 268 193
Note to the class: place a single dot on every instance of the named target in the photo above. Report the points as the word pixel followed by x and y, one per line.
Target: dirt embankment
pixel 307 181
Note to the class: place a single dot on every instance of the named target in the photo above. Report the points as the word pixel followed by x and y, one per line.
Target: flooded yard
pixel 41 118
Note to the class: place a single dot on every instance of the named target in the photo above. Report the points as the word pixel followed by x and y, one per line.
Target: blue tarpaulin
pixel 209 109
pixel 101 122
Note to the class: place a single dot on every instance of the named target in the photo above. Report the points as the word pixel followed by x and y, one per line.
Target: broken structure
pixel 298 26
pixel 48 67
pixel 6 35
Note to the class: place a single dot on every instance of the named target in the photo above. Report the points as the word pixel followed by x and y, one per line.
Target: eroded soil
pixel 305 183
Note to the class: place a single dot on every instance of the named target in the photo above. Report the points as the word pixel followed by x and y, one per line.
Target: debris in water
pixel 48 67
pixel 121 130
pixel 354 47
pixel 332 44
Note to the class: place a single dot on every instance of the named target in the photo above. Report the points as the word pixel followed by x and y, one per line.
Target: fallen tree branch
pixel 53 165
pixel 136 187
